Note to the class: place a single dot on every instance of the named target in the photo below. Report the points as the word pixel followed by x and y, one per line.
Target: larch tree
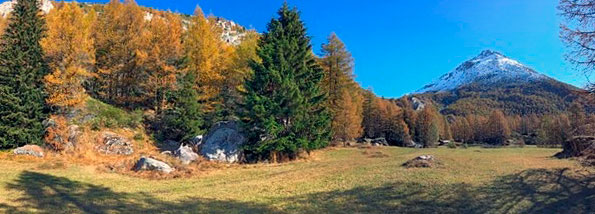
pixel 119 35
pixel 22 68
pixel 164 52
pixel 69 53
pixel 284 106
pixel 428 127
pixel 238 72
pixel 347 121
pixel 578 32
pixel 208 56
pixel 497 128
pixel 337 63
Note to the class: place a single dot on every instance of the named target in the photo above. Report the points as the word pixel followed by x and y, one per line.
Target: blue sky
pixel 399 45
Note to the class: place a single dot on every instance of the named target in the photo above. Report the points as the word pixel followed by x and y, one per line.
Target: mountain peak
pixel 488 53
pixel 488 68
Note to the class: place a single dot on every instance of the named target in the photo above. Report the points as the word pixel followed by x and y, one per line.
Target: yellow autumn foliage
pixel 69 53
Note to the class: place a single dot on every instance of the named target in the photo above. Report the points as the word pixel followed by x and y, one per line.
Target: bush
pixel 56 132
pixel 451 145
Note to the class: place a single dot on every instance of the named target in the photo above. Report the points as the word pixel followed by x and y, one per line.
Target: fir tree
pixel 22 68
pixel 284 106
pixel 182 121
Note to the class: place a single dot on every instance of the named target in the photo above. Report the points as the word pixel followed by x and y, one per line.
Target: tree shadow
pixel 50 194
pixel 530 191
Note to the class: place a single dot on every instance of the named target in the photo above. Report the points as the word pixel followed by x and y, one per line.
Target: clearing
pixel 334 180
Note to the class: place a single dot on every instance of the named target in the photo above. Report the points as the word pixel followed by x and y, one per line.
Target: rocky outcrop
pixel 418 105
pixel 113 144
pixel 6 7
pixel 150 164
pixel 30 150
pixel 223 142
pixel 424 161
pixel 185 154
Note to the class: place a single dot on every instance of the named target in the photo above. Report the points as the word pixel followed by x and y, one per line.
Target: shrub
pixel 451 145
pixel 56 132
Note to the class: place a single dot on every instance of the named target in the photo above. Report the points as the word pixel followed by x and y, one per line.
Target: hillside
pixel 491 80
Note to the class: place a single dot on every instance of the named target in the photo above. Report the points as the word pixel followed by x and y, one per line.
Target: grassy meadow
pixel 334 180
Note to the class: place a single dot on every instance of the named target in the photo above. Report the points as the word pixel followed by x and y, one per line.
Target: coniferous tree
pixel 69 53
pixel 497 128
pixel 183 119
pixel 209 57
pixel 284 105
pixel 428 127
pixel 338 81
pixel 119 44
pixel 22 68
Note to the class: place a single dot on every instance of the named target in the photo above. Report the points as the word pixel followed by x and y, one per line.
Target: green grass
pixel 337 180
pixel 108 116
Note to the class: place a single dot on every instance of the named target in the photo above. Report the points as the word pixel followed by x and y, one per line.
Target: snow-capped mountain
pixel 488 68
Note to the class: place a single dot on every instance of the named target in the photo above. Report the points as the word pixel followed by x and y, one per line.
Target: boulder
pixel 113 144
pixel 380 142
pixel 74 133
pixel 145 163
pixel 223 142
pixel 31 150
pixel 424 161
pixel 185 154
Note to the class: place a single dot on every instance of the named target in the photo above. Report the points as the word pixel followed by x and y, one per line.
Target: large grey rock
pixel 113 144
pixel 185 154
pixel 31 150
pixel 145 163
pixel 223 142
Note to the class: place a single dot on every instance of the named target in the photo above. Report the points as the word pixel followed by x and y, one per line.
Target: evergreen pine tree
pixel 22 68
pixel 182 121
pixel 284 106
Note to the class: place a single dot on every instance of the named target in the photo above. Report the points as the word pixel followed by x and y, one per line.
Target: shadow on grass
pixel 530 191
pixel 50 194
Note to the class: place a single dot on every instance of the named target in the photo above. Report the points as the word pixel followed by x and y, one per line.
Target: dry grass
pixel 335 180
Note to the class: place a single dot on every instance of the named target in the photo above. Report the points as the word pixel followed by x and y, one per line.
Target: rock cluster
pixel 113 144
pixel 424 161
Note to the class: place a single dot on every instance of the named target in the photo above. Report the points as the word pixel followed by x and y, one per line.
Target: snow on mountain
pixel 489 68
pixel 6 7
